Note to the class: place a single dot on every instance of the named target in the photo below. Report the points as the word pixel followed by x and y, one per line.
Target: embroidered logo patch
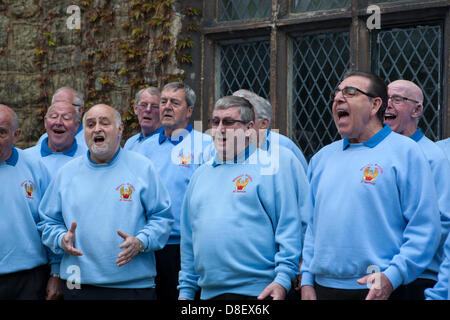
pixel 126 190
pixel 370 173
pixel 241 182
pixel 29 188
pixel 185 160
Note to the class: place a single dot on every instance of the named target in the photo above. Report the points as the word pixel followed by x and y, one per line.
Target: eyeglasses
pixel 144 106
pixel 400 99
pixel 350 92
pixel 227 122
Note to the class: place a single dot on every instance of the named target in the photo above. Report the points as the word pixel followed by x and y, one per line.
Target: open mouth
pixel 59 131
pixel 147 118
pixel 99 139
pixel 389 116
pixel 341 114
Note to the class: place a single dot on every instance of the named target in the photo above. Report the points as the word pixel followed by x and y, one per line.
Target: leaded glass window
pixel 245 65
pixel 415 54
pixel 319 62
pixel 244 9
pixel 315 5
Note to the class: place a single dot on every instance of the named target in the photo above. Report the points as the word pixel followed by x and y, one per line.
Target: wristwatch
pixel 54 275
pixel 141 247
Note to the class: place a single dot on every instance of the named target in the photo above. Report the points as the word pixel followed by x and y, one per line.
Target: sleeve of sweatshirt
pixel 51 224
pixel 421 235
pixel 308 243
pixel 288 230
pixel 188 278
pixel 441 290
pixel 158 210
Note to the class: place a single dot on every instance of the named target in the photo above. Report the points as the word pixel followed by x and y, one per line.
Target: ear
pixel 190 110
pixel 135 109
pixel 17 133
pixel 417 111
pixel 264 123
pixel 121 129
pixel 249 130
pixel 376 105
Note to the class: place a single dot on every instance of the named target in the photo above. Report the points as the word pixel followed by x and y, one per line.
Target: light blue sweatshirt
pixel 176 159
pixel 440 168
pixel 375 210
pixel 125 194
pixel 55 160
pixel 276 138
pixel 24 181
pixel 134 143
pixel 240 229
pixel 445 145
pixel 441 290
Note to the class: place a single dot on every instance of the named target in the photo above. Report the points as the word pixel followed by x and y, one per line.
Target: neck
pixel 102 159
pixel 369 131
pixel 59 148
pixel 169 132
pixel 148 131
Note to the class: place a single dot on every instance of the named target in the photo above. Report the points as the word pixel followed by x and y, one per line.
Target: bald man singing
pixel 405 107
pixel 116 212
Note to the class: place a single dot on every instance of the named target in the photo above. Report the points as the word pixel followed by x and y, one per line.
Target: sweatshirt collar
pixel 373 141
pixel 141 137
pixel 416 136
pixel 103 164
pixel 12 160
pixel 46 151
pixel 177 138
pixel 240 158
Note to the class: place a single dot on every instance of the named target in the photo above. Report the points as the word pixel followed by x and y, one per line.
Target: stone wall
pixel 39 53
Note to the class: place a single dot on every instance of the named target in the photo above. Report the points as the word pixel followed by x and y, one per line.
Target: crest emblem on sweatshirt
pixel 370 173
pixel 185 159
pixel 29 188
pixel 241 182
pixel 126 191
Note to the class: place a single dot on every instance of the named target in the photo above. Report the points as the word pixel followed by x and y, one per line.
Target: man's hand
pixel 54 289
pixel 380 286
pixel 68 241
pixel 131 247
pixel 308 293
pixel 274 290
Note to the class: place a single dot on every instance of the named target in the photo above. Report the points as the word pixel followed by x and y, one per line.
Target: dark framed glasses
pixel 400 99
pixel 350 92
pixel 226 122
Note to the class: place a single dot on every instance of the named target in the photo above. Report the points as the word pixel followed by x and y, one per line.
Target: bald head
pixel 102 130
pixel 408 88
pixel 9 131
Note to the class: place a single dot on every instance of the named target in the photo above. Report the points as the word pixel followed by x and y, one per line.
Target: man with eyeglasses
pixel 176 151
pixel 375 222
pixel 240 227
pixel 25 265
pixel 405 107
pixel 69 95
pixel 146 107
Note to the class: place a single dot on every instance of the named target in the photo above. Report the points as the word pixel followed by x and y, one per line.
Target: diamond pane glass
pixel 319 62
pixel 314 5
pixel 245 66
pixel 244 9
pixel 414 54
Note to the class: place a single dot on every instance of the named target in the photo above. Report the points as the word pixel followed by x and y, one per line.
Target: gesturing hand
pixel 68 241
pixel 380 286
pixel 131 247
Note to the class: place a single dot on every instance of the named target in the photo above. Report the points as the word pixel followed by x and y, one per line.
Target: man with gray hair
pixel 69 95
pixel 60 145
pixel 240 228
pixel 106 212
pixel 177 151
pixel 146 108
pixel 24 262
pixel 265 137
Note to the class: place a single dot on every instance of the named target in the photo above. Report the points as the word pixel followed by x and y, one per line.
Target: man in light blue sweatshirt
pixel 72 96
pixel 375 225
pixel 146 107
pixel 441 290
pixel 405 107
pixel 263 117
pixel 177 151
pixel 60 145
pixel 24 272
pixel 240 225
pixel 107 211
